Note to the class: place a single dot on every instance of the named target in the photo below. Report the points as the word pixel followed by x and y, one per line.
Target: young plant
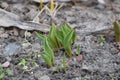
pixel 52 38
pixel 117 31
pixel 57 38
pixel 66 29
pixel 3 72
pixel 49 55
pixel 57 69
pixel 23 63
pixel 64 63
pixel 101 40
pixel 67 37
pixel 78 49
pixel 67 43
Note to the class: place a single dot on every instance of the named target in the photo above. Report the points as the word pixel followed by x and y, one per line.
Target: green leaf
pixel 48 50
pixel 25 67
pixel 68 27
pixel 69 51
pixel 52 36
pixel 101 40
pixel 59 36
pixel 117 31
pixel 47 59
pixel 52 30
pixel 68 38
pixel 74 37
pixel 68 42
pixel 78 49
pixel 51 44
pixel 22 62
pixel 0 66
pixel 8 71
pixel 57 68
pixel 2 75
pixel 64 63
pixel 64 31
pixel 40 36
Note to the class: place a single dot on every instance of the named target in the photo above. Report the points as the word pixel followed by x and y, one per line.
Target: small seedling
pixel 101 40
pixel 4 72
pixel 57 69
pixel 64 63
pixel 78 49
pixel 52 38
pixel 49 55
pixel 117 31
pixel 63 37
pixel 23 63
pixel 67 43
pixel 66 36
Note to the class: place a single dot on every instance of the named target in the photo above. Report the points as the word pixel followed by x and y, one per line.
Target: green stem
pixel 69 51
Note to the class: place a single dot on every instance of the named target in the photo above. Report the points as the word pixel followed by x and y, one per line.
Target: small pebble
pixel 2 30
pixel 6 64
pixel 27 34
pixel 25 45
pixel 16 33
pixel 39 75
pixel 4 5
pixel 100 7
pixel 11 49
pixel 22 33
pixel 79 58
pixel 4 35
pixel 45 77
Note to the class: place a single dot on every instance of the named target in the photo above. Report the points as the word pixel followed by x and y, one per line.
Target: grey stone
pixel 2 30
pixel 45 77
pixel 4 35
pixel 100 7
pixel 39 75
pixel 4 5
pixel 36 47
pixel 11 49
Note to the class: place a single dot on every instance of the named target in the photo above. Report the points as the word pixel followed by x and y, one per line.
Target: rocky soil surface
pixel 20 19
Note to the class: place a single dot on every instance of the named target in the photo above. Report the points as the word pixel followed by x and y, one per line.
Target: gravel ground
pixel 91 20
